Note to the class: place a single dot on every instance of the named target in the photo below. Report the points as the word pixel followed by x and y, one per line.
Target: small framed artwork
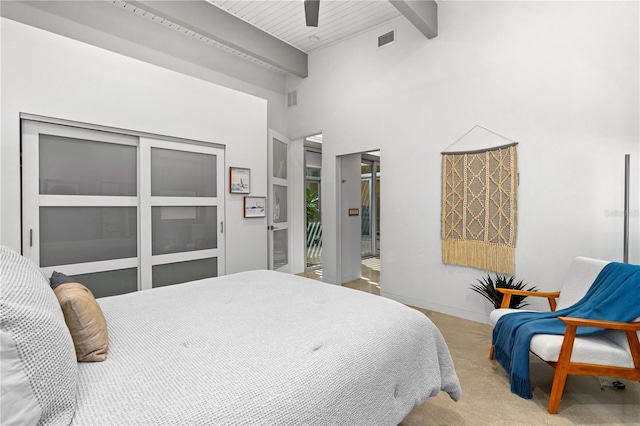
pixel 239 180
pixel 255 206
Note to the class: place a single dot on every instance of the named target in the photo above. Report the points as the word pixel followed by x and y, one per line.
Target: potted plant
pixel 313 205
pixel 488 286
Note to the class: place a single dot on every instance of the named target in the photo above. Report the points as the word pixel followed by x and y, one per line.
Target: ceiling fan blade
pixel 311 11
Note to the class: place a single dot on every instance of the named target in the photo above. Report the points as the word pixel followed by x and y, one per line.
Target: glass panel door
pixel 365 205
pixel 370 205
pixel 80 205
pixel 121 213
pixel 181 217
pixel 376 199
pixel 278 202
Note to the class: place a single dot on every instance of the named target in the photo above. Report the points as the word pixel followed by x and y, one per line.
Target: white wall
pixel 559 77
pixel 350 226
pixel 50 75
pixel 112 28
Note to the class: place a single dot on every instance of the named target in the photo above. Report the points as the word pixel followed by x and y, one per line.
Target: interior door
pixel 182 212
pixel 279 196
pixel 80 205
pixel 119 212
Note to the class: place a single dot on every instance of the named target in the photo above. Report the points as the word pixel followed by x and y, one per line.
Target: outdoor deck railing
pixel 314 243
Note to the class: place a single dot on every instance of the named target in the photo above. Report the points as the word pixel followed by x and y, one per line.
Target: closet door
pixel 118 212
pixel 80 205
pixel 182 207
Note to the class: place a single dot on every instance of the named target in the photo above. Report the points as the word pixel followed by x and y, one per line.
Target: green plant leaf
pixel 488 286
pixel 313 205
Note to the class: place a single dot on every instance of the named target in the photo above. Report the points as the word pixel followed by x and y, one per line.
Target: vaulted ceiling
pixel 269 33
pixel 338 20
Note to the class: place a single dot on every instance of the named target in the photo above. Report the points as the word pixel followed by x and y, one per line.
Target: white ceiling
pixel 270 33
pixel 284 19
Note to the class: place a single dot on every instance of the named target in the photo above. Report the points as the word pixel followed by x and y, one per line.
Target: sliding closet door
pixel 80 205
pixel 118 212
pixel 182 212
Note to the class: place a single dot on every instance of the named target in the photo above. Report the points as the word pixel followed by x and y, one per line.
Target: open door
pixel 279 197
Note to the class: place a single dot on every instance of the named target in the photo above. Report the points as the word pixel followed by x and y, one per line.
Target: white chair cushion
pixel 590 350
pixel 609 348
pixel 619 337
pixel 582 272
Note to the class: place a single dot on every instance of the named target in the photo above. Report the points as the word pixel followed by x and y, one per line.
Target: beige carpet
pixel 487 400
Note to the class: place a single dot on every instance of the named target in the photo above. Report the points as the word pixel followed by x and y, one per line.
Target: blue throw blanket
pixel 613 296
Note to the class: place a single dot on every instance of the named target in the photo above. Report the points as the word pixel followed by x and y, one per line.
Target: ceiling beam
pixel 223 27
pixel 109 26
pixel 423 14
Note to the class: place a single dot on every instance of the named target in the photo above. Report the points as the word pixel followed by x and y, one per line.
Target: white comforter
pixel 262 348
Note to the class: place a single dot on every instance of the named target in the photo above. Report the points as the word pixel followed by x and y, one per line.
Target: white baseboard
pixel 349 278
pixel 480 317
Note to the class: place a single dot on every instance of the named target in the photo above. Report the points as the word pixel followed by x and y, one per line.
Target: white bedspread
pixel 262 348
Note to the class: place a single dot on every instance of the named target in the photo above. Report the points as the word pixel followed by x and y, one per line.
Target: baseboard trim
pixel 460 313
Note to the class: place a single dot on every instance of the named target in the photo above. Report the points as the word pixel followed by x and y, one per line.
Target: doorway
pixel 358 226
pixel 370 204
pixel 313 203
pixel 359 236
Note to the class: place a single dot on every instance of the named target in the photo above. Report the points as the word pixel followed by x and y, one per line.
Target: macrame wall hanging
pixel 479 202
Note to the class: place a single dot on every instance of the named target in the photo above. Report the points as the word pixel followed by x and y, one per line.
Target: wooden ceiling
pixel 338 19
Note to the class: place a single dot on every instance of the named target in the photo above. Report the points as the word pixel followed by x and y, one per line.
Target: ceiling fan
pixel 311 10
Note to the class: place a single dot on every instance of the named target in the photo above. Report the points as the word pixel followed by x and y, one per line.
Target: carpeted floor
pixel 486 398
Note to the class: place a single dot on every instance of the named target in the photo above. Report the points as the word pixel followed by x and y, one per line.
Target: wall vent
pixel 387 38
pixel 292 99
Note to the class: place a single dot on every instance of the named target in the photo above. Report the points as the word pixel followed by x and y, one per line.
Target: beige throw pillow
pixel 85 321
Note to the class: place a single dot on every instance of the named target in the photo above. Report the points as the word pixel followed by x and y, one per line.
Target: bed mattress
pixel 262 348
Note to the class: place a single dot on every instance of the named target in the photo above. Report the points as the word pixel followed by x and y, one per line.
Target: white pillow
pixel 32 318
pixel 19 404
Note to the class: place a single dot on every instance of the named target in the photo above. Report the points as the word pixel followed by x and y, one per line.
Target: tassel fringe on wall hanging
pixel 479 208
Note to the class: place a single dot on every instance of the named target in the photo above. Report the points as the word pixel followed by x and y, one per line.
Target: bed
pixel 252 348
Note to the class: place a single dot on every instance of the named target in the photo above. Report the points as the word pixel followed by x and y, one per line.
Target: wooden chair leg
pixel 491 352
pixel 559 380
pixel 560 377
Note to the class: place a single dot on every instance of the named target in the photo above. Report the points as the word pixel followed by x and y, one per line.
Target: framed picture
pixel 239 180
pixel 255 206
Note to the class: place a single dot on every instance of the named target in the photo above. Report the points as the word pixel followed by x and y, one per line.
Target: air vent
pixel 292 99
pixel 386 39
